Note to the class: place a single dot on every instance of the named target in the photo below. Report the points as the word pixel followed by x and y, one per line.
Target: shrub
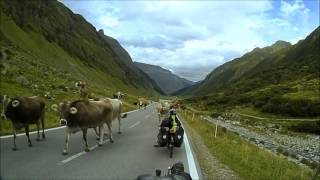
pixel 215 114
pixel 307 127
pixel 224 129
pixel 285 152
pixel 280 150
pixel 291 107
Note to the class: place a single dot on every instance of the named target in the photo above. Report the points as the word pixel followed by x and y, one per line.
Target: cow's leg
pixel 159 118
pixel 14 137
pixel 42 123
pixel 119 120
pixel 110 131
pixel 97 134
pixel 105 133
pixel 84 136
pixel 38 131
pixel 66 147
pixel 101 135
pixel 27 133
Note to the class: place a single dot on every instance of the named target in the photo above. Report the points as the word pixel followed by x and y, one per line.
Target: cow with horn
pixel 24 111
pixel 84 114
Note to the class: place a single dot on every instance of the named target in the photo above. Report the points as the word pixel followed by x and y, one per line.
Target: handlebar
pixel 174 172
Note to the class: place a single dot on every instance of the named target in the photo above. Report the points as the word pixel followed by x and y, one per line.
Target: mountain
pixel 126 62
pixel 45 39
pixel 165 79
pixel 234 70
pixel 186 90
pixel 281 78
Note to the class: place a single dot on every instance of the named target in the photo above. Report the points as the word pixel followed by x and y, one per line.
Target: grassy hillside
pixel 51 22
pixel 280 79
pixel 236 69
pixel 45 48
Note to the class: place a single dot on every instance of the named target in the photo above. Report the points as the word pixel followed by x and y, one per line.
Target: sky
pixel 191 38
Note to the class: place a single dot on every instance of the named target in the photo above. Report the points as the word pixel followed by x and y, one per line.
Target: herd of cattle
pixel 165 106
pixel 77 115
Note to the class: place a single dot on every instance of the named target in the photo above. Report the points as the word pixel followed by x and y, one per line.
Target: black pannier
pixel 163 137
pixel 178 137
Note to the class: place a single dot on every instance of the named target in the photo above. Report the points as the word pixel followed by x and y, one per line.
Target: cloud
pixel 109 22
pixel 193 37
pixel 295 8
pixel 155 41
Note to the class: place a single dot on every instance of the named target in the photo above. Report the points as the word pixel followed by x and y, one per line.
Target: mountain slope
pixel 281 79
pixel 48 33
pixel 165 79
pixel 234 70
pixel 127 64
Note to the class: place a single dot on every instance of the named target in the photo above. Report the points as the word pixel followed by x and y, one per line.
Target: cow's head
pixel 64 112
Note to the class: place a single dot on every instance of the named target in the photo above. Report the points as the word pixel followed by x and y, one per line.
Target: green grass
pixel 247 160
pixel 51 68
pixel 35 55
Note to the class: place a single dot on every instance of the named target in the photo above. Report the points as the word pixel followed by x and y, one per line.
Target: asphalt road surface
pixel 131 154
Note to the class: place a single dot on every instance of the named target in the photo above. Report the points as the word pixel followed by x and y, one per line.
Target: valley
pixel 255 116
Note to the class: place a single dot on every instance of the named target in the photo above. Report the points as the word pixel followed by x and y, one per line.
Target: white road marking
pixel 147 116
pixel 71 158
pixel 135 124
pixel 131 111
pixel 79 154
pixel 91 148
pixel 33 132
pixel 50 129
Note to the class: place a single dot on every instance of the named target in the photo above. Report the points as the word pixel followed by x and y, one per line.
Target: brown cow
pixel 83 114
pixel 23 111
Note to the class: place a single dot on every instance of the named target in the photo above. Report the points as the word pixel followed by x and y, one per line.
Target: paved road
pixel 131 154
